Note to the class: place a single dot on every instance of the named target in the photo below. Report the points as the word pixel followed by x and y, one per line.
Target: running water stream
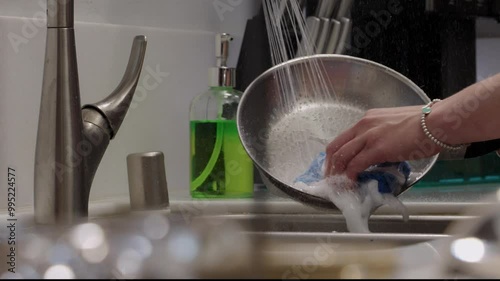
pixel 287 33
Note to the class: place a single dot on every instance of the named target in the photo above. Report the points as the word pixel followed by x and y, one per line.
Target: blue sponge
pixel 390 176
pixel 315 171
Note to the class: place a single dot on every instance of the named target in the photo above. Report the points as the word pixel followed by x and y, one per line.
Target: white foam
pixel 356 201
pixel 296 139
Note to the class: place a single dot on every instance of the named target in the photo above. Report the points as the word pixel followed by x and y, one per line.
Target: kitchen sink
pixel 273 241
pixel 432 213
pixel 281 235
pixel 431 224
pixel 306 228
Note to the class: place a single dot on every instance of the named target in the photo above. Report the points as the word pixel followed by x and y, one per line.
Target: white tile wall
pixel 180 45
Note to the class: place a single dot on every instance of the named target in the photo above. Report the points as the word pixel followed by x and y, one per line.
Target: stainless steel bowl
pixel 285 118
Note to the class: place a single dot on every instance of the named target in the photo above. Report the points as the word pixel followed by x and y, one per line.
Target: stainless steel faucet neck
pixel 70 141
pixel 60 14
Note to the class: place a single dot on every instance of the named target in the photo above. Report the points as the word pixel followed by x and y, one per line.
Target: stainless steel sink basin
pixel 282 235
pixel 279 241
pixel 432 224
pixel 166 245
pixel 432 211
pixel 305 228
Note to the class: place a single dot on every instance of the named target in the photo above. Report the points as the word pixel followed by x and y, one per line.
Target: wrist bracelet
pixel 426 110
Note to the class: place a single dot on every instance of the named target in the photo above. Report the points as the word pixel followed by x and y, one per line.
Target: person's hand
pixel 382 135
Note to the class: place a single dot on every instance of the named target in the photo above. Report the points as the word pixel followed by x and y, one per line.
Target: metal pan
pixel 282 137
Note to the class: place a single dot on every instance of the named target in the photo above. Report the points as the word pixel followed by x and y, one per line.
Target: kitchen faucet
pixel 71 139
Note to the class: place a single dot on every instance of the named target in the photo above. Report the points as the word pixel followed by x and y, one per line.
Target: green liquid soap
pixel 220 166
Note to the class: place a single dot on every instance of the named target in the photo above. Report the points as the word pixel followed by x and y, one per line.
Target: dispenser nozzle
pixel 221 75
pixel 222 48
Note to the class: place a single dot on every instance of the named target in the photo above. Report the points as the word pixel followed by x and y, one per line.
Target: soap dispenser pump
pixel 219 164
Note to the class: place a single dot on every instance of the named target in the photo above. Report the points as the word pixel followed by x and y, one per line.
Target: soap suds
pixel 356 201
pixel 296 139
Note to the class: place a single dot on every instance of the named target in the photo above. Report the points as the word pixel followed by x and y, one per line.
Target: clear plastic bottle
pixel 220 166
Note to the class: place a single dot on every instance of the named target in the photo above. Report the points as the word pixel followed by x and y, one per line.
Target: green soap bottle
pixel 220 166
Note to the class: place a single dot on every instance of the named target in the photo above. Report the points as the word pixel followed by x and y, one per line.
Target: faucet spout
pixel 71 140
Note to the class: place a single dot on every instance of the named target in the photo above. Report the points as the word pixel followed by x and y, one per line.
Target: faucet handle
pixel 114 107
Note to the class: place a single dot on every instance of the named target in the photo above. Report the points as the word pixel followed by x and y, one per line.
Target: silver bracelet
pixel 426 110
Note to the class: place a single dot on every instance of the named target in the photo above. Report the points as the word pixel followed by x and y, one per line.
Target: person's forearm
pixel 470 115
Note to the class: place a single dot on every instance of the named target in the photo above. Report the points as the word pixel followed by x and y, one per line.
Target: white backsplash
pixel 181 48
